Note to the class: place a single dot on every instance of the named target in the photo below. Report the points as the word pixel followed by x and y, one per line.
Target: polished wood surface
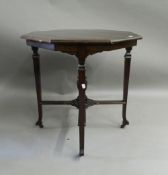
pixel 81 36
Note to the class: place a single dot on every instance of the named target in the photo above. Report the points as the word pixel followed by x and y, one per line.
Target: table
pixel 81 43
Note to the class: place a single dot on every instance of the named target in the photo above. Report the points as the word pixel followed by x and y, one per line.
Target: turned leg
pixel 36 62
pixel 85 104
pixel 127 63
pixel 81 84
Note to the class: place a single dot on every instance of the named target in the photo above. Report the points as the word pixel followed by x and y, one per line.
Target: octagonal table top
pixel 81 36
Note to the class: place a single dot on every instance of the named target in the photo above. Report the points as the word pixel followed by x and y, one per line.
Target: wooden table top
pixel 81 36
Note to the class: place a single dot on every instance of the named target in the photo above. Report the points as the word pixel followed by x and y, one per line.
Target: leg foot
pixel 81 152
pixel 81 140
pixel 124 123
pixel 40 124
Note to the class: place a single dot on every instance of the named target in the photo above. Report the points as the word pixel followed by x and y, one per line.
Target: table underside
pixel 90 48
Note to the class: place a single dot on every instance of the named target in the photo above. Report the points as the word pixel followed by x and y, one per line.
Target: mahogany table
pixel 82 43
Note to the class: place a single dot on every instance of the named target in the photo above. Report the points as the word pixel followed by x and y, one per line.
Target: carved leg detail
pixel 127 63
pixel 36 62
pixel 86 99
pixel 82 85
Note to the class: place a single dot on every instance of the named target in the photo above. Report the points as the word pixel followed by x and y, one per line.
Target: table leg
pixel 127 63
pixel 81 84
pixel 36 63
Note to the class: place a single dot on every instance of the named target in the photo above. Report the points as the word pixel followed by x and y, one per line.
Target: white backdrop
pixel 148 88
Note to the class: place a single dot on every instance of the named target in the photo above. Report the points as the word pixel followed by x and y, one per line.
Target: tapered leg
pixel 36 62
pixel 81 84
pixel 85 105
pixel 127 63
